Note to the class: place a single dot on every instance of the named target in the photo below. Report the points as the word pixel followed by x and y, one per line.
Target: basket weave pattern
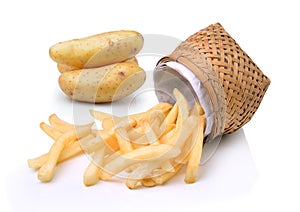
pixel 243 83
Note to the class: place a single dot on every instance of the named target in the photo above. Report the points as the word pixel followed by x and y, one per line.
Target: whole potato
pixel 98 50
pixel 103 84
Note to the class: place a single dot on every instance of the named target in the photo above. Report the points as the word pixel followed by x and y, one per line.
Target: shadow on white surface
pixel 229 174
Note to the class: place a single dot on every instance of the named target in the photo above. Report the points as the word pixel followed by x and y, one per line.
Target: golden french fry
pixel 53 118
pixel 92 145
pixel 135 133
pixel 46 172
pixel 162 106
pixel 112 157
pixel 197 110
pixel 99 115
pixel 200 109
pixel 156 119
pixel 182 133
pixel 148 137
pixel 50 131
pixel 123 140
pixel 167 136
pixel 108 123
pixel 36 163
pixel 138 135
pixel 148 182
pixel 185 150
pixel 109 138
pixel 147 153
pixel 68 152
pixel 115 122
pixel 183 107
pixel 147 133
pixel 90 176
pixel 189 144
pixel 126 123
pixel 109 158
pixel 171 118
pixel 195 155
pixel 167 166
pixel 141 172
pixel 60 124
pixel 161 179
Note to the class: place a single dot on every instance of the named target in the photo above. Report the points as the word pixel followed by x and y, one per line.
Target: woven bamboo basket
pixel 233 81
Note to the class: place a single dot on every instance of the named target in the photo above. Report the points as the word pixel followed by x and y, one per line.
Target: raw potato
pixel 103 84
pixel 98 50
pixel 65 68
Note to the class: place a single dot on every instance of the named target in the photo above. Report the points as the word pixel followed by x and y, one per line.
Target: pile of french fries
pixel 151 147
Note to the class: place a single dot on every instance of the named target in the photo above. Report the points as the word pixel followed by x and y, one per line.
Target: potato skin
pixel 103 84
pixel 65 68
pixel 98 50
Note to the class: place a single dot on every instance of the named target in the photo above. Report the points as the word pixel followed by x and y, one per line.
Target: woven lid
pixel 234 83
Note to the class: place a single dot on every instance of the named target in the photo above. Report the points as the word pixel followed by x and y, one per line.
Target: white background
pixel 266 177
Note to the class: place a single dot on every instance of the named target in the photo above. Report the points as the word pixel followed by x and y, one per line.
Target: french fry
pixel 112 157
pixel 109 158
pixel 109 138
pixel 195 155
pixel 60 124
pixel 141 172
pixel 182 133
pixel 99 115
pixel 162 106
pixel 161 179
pixel 142 135
pixel 148 137
pixel 46 172
pixel 53 118
pixel 68 152
pixel 171 118
pixel 90 176
pixel 50 131
pixel 185 151
pixel 108 123
pixel 64 126
pixel 183 107
pixel 92 145
pixel 149 133
pixel 147 153
pixel 197 110
pixel 167 166
pixel 148 182
pixel 189 144
pixel 123 140
pixel 169 135
pixel 126 123
pixel 135 133
pixel 156 119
